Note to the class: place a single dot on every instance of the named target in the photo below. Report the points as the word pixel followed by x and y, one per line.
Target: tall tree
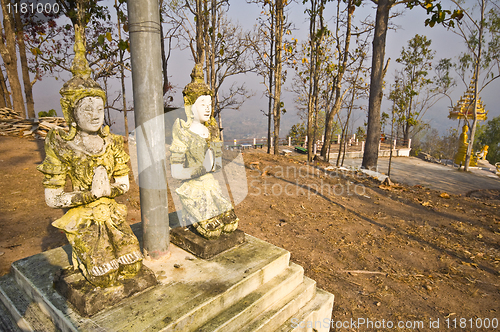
pixel 9 56
pixel 414 81
pixel 438 15
pixel 220 44
pixel 482 38
pixel 317 31
pixel 51 38
pixel 122 45
pixel 343 56
pixel 279 27
pixel 262 45
pixel 28 91
pixel 5 96
pixel 357 88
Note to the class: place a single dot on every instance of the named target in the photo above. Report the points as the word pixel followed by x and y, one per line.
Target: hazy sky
pixel 445 43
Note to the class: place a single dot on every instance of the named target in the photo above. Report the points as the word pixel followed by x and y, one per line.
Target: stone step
pixel 25 312
pixel 288 306
pixel 314 316
pixel 193 292
pixel 7 323
pixel 252 305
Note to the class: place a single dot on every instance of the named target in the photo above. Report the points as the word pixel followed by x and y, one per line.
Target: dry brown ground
pixel 394 254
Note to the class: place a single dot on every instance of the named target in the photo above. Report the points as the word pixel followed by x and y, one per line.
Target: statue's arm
pixel 121 186
pixel 57 198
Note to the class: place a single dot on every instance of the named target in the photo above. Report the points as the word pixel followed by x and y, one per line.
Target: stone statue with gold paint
pixel 103 245
pixel 196 152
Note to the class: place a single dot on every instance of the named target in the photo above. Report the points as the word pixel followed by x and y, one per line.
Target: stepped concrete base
pixel 251 287
pixel 26 314
pixel 187 239
pixel 88 299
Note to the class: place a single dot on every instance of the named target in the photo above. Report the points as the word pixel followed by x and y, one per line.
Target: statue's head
pixel 89 114
pixel 197 97
pixel 81 92
pixel 202 108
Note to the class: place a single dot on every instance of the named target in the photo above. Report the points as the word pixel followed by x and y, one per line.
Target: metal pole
pixel 145 46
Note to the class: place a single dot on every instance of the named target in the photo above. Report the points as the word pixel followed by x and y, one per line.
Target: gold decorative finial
pixel 80 66
pixel 197 87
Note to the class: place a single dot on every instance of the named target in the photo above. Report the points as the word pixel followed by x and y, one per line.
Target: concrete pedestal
pixel 89 300
pixel 187 239
pixel 251 287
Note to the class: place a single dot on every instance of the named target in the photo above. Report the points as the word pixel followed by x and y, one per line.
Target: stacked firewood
pixel 47 123
pixel 11 123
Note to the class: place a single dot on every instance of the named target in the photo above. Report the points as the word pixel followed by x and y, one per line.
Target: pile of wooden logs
pixel 11 123
pixel 47 123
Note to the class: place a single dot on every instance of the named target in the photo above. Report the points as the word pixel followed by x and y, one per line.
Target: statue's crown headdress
pixel 80 85
pixel 197 87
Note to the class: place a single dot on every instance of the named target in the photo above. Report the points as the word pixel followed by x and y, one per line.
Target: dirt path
pixel 394 254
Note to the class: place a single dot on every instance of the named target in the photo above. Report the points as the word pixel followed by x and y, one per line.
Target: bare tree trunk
pixel 220 126
pixel 107 115
pixel 200 49
pixel 312 76
pixel 315 131
pixel 9 56
pixel 215 28
pixel 269 120
pixel 316 35
pixel 476 91
pixel 28 91
pixel 341 146
pixel 122 73
pixel 370 155
pixel 206 43
pixel 345 132
pixel 278 61
pixel 163 59
pixel 342 67
pixel 271 82
pixel 5 100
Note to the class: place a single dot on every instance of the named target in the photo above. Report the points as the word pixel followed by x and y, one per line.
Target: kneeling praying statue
pixel 196 154
pixel 103 245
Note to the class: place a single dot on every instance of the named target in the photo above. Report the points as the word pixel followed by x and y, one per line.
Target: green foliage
pixel 438 15
pixel 384 117
pixel 408 93
pixel 490 57
pixel 361 132
pixel 50 39
pixel 297 133
pixel 490 135
pixel 50 113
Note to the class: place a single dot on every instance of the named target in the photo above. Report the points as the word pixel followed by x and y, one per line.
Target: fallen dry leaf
pixel 384 187
pixel 469 264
